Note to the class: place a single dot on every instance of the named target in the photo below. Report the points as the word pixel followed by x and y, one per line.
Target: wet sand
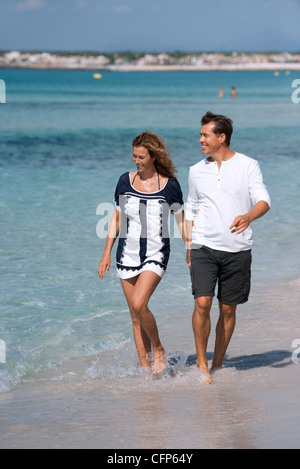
pixel 104 401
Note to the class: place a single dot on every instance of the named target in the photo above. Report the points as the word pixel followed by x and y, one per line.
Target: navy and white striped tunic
pixel 144 240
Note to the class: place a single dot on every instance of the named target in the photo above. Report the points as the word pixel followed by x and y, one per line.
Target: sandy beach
pixel 92 402
pixel 207 68
pixel 139 62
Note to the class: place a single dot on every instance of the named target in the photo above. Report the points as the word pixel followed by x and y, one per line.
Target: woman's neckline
pixel 141 192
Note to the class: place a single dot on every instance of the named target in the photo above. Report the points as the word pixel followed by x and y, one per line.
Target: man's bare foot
pixel 160 362
pixel 217 363
pixel 215 368
pixel 206 373
pixel 203 368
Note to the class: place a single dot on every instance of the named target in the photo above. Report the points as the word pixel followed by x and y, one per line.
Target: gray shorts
pixel 232 271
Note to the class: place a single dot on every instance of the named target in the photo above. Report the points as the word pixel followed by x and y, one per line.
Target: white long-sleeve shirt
pixel 217 197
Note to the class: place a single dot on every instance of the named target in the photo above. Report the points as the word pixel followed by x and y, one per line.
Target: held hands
pixel 240 223
pixel 104 266
pixel 188 257
pixel 188 241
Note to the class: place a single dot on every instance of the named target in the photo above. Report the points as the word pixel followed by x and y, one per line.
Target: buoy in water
pixel 97 76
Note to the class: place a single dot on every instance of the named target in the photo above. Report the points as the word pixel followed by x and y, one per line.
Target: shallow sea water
pixel 71 376
pixel 106 401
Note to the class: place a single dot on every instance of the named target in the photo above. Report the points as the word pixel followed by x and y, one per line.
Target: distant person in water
pixel 221 92
pixel 233 92
pixel 219 237
pixel 144 199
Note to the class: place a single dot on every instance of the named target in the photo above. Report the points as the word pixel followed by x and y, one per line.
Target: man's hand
pixel 240 224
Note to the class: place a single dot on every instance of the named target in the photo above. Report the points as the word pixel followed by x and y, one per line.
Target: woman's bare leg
pixel 138 295
pixel 142 341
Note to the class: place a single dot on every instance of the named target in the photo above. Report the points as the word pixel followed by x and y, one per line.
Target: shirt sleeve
pixel 120 190
pixel 175 197
pixel 257 188
pixel 191 208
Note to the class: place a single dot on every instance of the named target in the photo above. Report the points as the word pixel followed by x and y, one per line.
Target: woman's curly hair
pixel 157 149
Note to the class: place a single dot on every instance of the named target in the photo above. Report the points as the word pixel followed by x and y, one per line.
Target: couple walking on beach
pixel 215 227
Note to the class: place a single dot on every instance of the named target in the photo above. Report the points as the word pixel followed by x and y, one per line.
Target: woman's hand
pixel 104 266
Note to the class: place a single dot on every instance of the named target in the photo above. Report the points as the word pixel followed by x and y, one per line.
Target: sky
pixel 150 25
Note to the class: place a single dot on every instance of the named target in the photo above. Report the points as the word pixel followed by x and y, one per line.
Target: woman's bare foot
pixel 159 362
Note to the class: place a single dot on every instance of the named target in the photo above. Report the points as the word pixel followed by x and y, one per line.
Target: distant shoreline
pixel 166 68
pixel 139 62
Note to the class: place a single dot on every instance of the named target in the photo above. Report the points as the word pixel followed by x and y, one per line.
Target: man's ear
pixel 222 138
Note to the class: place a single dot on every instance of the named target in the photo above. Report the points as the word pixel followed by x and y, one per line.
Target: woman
pixel 143 200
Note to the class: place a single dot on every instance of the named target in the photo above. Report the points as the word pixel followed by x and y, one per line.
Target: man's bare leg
pixel 224 331
pixel 201 328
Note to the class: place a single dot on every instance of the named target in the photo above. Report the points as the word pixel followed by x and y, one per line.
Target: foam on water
pixel 92 401
pixel 116 368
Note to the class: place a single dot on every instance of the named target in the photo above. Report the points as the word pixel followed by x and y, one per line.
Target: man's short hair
pixel 223 125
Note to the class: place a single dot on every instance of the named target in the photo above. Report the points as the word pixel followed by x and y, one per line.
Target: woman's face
pixel 142 159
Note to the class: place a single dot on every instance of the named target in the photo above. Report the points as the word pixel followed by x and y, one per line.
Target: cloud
pixel 118 9
pixel 30 5
pixel 122 9
pixel 81 4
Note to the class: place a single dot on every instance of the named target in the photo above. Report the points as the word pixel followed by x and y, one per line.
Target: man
pixel 218 218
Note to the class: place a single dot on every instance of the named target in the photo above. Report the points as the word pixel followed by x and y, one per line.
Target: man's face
pixel 211 143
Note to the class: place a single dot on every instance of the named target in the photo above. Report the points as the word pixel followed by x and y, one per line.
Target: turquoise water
pixel 65 140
